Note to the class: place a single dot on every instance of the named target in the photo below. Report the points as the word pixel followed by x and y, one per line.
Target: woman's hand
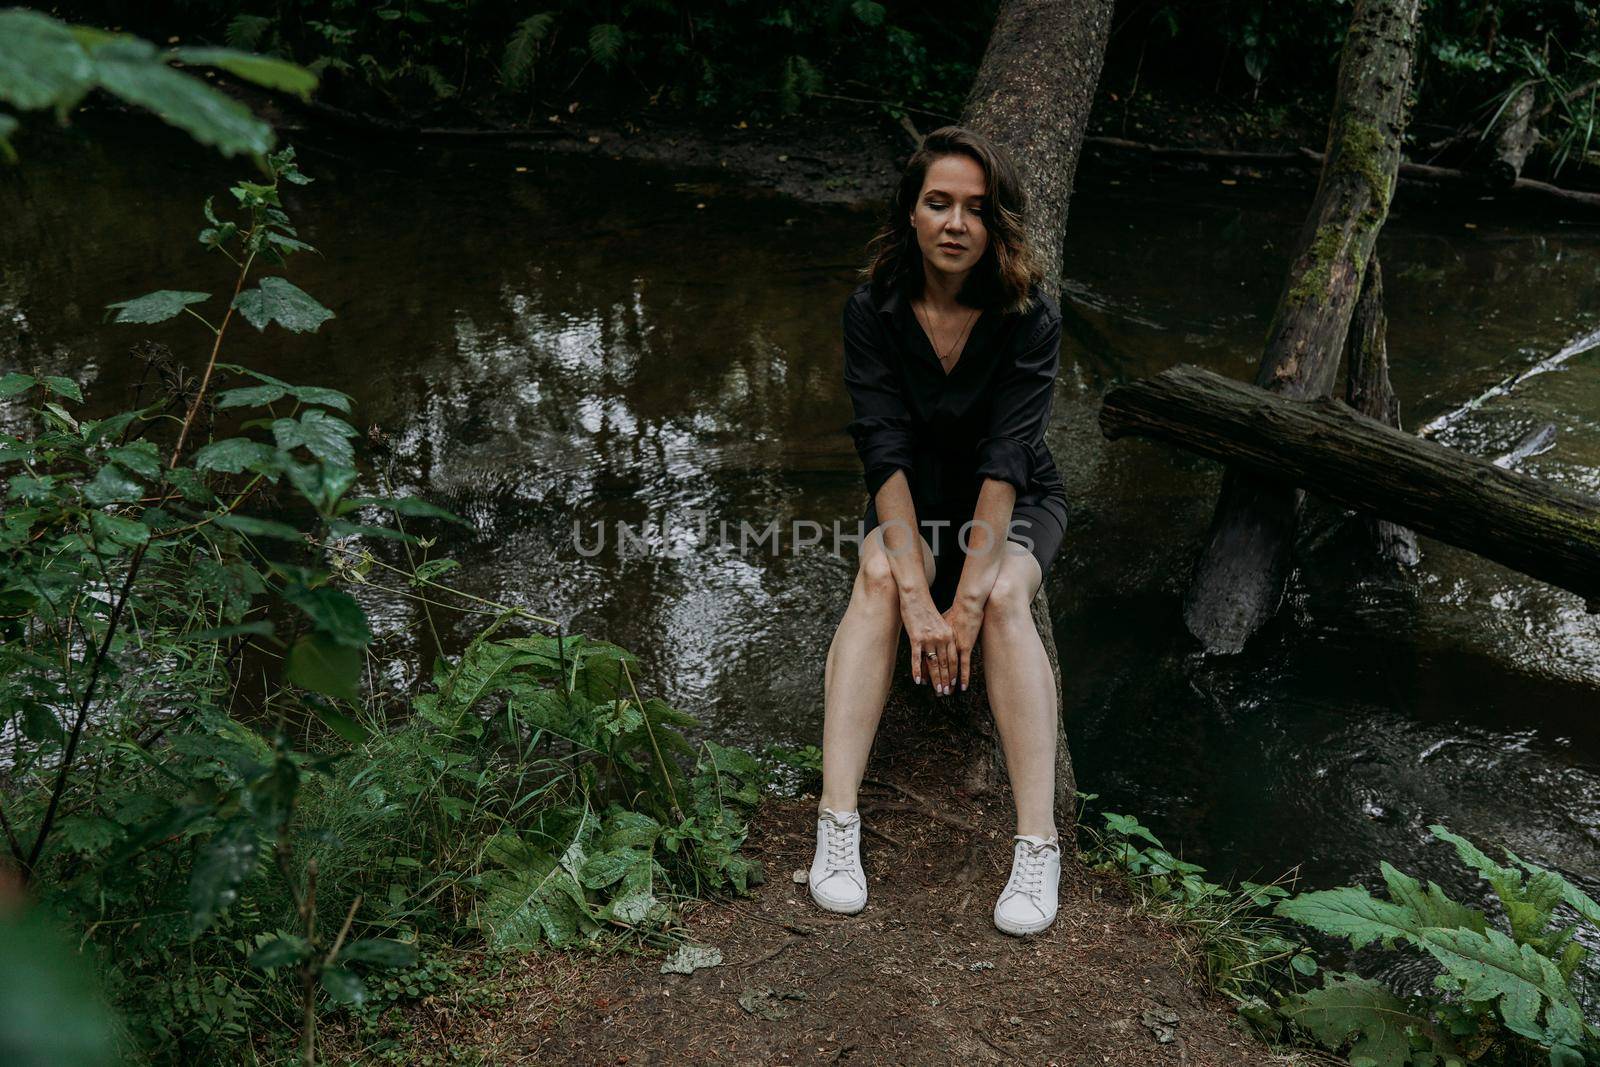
pixel 933 643
pixel 965 620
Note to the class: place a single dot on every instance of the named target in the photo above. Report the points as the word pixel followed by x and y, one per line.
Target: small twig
pixel 793 928
pixel 770 955
pixel 666 776
pixel 935 815
pixel 344 932
pixel 875 832
pixel 919 803
pixel 911 130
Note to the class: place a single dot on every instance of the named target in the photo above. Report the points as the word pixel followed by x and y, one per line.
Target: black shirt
pixel 948 432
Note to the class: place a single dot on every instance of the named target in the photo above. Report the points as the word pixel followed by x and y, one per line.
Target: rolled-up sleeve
pixel 882 427
pixel 1021 410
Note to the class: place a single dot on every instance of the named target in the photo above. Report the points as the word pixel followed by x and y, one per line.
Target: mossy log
pixel 1324 447
pixel 1238 582
pixel 1369 391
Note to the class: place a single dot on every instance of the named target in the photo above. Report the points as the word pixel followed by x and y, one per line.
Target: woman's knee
pixel 874 576
pixel 1010 602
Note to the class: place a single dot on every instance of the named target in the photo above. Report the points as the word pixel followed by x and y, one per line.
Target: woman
pixel 950 356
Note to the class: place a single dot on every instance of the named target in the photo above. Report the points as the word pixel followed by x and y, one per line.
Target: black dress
pixel 986 418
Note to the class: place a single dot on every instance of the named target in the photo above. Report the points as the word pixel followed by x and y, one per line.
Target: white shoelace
pixel 1027 870
pixel 837 839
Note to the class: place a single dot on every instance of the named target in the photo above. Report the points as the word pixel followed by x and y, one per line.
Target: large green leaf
pixel 533 898
pixel 1482 964
pixel 140 457
pixel 234 455
pixel 1352 912
pixel 54 1012
pixel 409 506
pixel 112 485
pixel 14 383
pixel 131 69
pixel 1490 966
pixel 281 950
pixel 279 300
pixel 322 484
pixel 63 387
pixel 1432 907
pixel 485 668
pixel 158 306
pixel 1576 899
pixel 251 526
pixel 41 64
pixel 345 987
pixel 379 952
pixel 324 436
pixel 334 612
pixel 632 829
pixel 1365 1013
pixel 225 861
pixel 263 70
pixel 606 868
pixel 321 664
pixel 118 530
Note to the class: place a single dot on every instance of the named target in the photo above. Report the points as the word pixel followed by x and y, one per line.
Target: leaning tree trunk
pixel 1032 96
pixel 1239 580
pixel 1369 391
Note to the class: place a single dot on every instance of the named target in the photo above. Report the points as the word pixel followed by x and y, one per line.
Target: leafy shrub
pixel 1497 985
pixel 233 870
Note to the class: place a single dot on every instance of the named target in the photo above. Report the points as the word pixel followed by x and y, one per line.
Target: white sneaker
pixel 1028 902
pixel 838 883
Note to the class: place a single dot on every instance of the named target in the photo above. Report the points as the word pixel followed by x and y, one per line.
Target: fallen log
pixel 1536 442
pixel 1515 136
pixel 1571 350
pixel 1324 447
pixel 1473 183
pixel 1239 579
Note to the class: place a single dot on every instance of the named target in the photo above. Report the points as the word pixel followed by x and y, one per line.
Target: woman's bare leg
pixel 859 671
pixel 1022 693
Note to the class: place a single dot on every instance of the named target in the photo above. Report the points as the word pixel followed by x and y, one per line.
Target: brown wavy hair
pixel 1006 273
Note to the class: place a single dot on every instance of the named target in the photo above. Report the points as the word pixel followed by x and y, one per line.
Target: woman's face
pixel 949 213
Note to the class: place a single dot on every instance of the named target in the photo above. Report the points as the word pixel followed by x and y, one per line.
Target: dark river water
pixel 552 343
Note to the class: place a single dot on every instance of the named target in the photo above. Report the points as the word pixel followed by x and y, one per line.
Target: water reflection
pixel 582 343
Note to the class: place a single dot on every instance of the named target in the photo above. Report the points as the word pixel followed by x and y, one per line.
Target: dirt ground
pixel 921 976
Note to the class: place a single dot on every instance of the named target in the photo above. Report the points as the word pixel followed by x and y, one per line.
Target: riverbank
pixel 921 976
pixel 851 153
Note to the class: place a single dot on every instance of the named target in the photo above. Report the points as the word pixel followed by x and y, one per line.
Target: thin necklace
pixel 928 325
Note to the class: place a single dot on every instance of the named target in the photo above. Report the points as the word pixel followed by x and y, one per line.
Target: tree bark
pixel 1515 137
pixel 1032 96
pixel 1323 446
pixel 1239 580
pixel 1369 391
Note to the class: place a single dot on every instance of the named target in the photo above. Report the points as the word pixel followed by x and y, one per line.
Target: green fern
pixel 606 41
pixel 245 32
pixel 522 50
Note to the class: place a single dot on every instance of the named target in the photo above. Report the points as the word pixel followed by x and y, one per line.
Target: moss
pixel 1360 149
pixel 1325 247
